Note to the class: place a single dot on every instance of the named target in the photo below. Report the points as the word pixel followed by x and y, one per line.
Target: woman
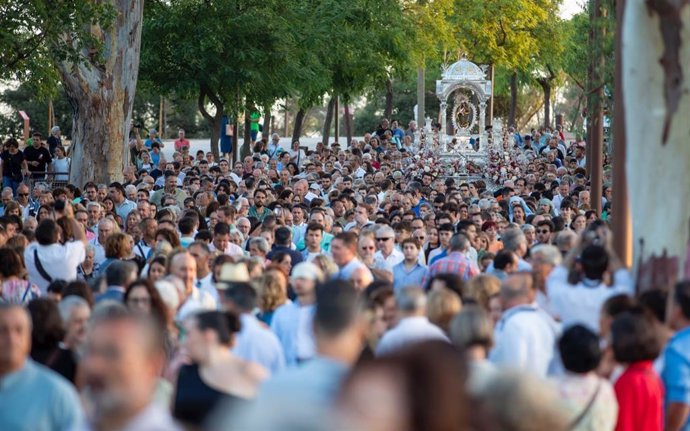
pixel 118 246
pixel 60 165
pixel 216 376
pixel 13 288
pixel 272 287
pixel 88 268
pixel 284 260
pixel 579 224
pixel 297 155
pixel 518 215
pixel 157 268
pixel 45 212
pixel 590 398
pixel 108 206
pixel 132 222
pixel 636 342
pixel 472 331
pixel 47 333
pixel 433 242
pixel 12 208
pixel 484 290
pixel 168 236
pixel 443 305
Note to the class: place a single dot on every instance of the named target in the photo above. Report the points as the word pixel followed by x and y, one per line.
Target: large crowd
pixel 355 287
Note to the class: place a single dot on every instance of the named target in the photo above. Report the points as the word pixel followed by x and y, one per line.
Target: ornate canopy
pixel 463 74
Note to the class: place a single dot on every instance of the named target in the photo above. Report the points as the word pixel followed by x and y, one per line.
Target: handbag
pixel 587 408
pixel 40 269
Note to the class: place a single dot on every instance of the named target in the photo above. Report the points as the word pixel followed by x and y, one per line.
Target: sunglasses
pixel 383 239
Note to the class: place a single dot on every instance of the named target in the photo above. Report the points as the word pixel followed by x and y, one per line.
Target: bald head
pixel 517 289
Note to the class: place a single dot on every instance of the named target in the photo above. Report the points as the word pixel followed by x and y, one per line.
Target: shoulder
pixel 255 372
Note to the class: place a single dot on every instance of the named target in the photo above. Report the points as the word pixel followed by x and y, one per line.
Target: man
pixel 505 263
pixel 361 217
pixel 409 272
pixel 106 227
pixel 118 275
pixel 54 140
pixel 183 266
pixel 563 192
pixel 413 326
pixel 445 234
pixel 514 240
pixel 581 302
pixel 339 334
pixel 455 263
pixel 121 367
pixel 298 223
pixel 344 251
pixel 283 243
pixel 258 210
pixel 37 156
pixel 32 396
pixel 314 236
pixel 24 202
pixel 244 226
pixel 47 259
pixel 255 342
pixel 387 255
pixel 143 247
pixel 74 313
pixel 525 335
pixel 274 149
pixel 95 211
pixel 545 229
pixel 221 241
pixel 123 206
pixel 204 276
pixel 182 143
pixel 676 372
pixel 169 189
pixel 188 227
pixel 153 137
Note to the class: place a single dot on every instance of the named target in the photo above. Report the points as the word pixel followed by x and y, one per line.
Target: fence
pixel 50 179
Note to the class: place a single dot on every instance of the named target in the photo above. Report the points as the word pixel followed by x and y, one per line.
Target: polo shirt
pixel 408 277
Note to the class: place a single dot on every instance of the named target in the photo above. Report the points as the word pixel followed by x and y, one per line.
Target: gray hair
pixel 386 230
pixel 459 242
pixel 69 303
pixel 548 253
pixel 513 238
pixel 410 299
pixel 94 204
pixel 472 327
pixel 260 243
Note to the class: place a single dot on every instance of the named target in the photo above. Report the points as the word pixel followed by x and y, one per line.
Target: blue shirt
pixel 35 398
pixel 676 373
pixel 403 277
pixel 256 343
pixel 286 325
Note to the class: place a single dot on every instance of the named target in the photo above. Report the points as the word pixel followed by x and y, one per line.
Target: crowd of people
pixel 354 287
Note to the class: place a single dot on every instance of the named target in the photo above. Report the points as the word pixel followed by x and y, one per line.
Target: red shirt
pixel 640 395
pixel 180 143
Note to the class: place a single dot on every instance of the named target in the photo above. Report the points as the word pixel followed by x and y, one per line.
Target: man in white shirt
pixel 47 260
pixel 563 192
pixel 255 342
pixel 183 266
pixel 204 276
pixel 582 302
pixel 292 321
pixel 525 335
pixel 413 327
pixel 105 228
pixel 387 255
pixel 221 241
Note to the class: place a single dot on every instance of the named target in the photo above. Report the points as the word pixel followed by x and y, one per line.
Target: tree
pixel 241 55
pixel 23 98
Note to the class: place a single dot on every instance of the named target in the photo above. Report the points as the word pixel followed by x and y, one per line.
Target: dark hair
pixel 618 304
pixel 681 296
pixel 170 236
pixel 57 286
pixel 503 259
pixel 118 273
pixel 118 186
pixel 349 239
pixel 223 323
pixel 81 289
pixel 314 226
pixel 47 331
pixel 635 338
pixel 243 295
pixel 579 349
pixel 47 232
pixel 595 261
pixel 446 227
pixel 221 229
pixel 12 263
pixel 159 311
pixel 452 281
pixel 186 225
pixel 337 306
pixel 278 256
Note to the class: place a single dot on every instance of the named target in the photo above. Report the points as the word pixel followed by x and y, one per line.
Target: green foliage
pixel 24 99
pixel 36 34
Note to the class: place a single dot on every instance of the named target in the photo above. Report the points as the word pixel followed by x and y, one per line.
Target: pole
pixel 287 119
pixel 160 117
pixel 597 114
pixel 622 226
pixel 490 117
pixel 420 98
pixel 51 116
pixel 336 118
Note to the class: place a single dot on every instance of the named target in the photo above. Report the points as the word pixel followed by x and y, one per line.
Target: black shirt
pixel 40 155
pixel 12 165
pixel 53 143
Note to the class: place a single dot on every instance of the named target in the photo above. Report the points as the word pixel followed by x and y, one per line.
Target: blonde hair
pixel 272 287
pixel 482 288
pixel 442 305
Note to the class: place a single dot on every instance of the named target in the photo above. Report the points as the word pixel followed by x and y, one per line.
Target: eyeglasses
pixel 143 301
pixel 383 239
pixel 22 194
pixel 421 238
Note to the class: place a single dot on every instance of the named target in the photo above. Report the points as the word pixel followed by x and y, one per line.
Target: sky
pixel 571 7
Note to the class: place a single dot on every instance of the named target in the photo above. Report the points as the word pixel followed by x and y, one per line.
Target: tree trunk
pixel 328 120
pixel 299 119
pixel 336 120
pixel 267 122
pixel 656 94
pixel 420 98
pixel 102 94
pixel 246 148
pixel 388 110
pixel 576 113
pixel 546 86
pixel 513 99
pixel 214 121
pixel 348 124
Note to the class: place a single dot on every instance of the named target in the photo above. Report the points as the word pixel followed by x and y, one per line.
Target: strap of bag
pixel 40 268
pixel 587 408
pixel 26 292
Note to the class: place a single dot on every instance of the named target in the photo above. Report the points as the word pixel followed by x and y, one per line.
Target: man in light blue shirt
pixel 409 272
pixel 255 342
pixel 292 321
pixel 676 372
pixel 33 398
